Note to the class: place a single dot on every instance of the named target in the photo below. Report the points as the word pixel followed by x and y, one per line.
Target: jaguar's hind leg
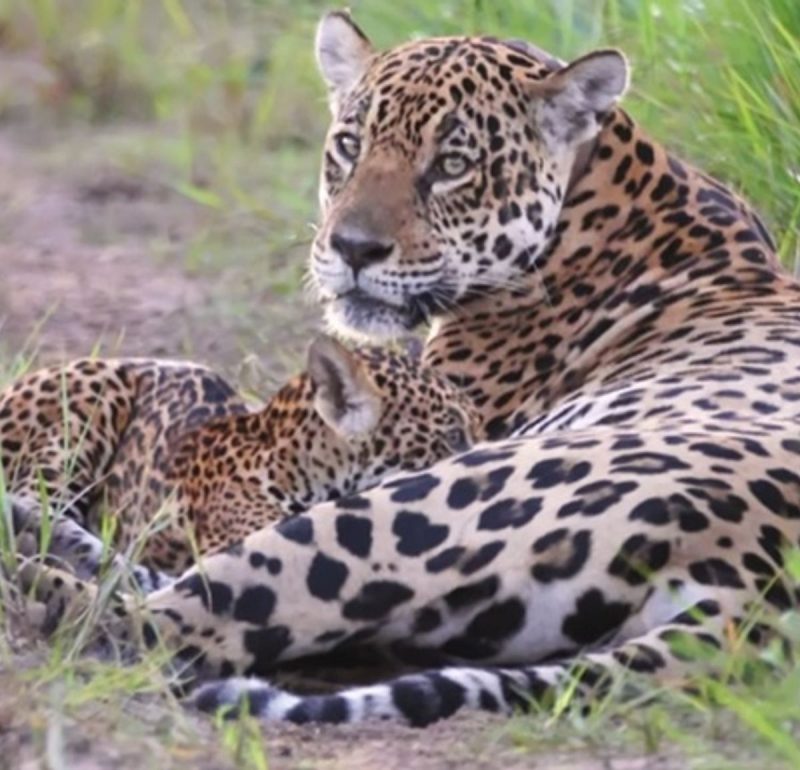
pixel 671 654
pixel 66 544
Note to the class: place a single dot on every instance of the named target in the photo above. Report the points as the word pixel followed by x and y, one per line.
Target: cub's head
pixel 444 169
pixel 386 410
pixel 352 419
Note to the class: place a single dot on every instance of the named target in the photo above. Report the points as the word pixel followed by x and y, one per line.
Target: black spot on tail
pixel 675 508
pixel 258 560
pixel 640 658
pixel 479 457
pixel 472 593
pixel 646 463
pixel 327 709
pixel 445 559
pixel 499 621
pixel 485 555
pixel 427 698
pixel 771 497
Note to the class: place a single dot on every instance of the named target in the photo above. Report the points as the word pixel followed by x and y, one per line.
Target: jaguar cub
pixel 172 457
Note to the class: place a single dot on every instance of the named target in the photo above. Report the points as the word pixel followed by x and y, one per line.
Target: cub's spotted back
pixel 183 467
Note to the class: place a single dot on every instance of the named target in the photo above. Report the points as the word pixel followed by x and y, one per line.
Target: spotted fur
pixel 173 458
pixel 624 325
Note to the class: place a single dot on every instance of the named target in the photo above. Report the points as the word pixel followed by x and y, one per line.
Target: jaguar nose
pixel 360 250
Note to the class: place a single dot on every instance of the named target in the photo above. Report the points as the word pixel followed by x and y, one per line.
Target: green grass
pixel 234 111
pixel 220 101
pixel 746 716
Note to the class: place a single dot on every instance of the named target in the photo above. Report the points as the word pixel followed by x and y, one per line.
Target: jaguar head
pixel 444 170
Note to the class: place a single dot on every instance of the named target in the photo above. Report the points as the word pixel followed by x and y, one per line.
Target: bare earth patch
pixel 91 256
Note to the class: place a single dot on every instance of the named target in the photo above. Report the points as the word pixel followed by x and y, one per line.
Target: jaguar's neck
pixel 637 231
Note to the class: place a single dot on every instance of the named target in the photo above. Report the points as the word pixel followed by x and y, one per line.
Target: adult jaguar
pixel 634 345
pixel 171 457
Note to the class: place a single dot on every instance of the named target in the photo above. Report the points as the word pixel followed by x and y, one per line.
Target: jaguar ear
pixel 343 51
pixel 575 97
pixel 345 397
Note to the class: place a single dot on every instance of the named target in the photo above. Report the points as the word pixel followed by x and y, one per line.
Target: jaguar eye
pixel 348 146
pixel 457 439
pixel 452 165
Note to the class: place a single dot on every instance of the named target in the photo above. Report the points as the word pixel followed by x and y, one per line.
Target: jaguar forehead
pixel 355 108
pixel 447 125
pixel 407 76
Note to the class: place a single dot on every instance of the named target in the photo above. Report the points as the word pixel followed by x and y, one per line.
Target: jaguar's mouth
pixel 357 313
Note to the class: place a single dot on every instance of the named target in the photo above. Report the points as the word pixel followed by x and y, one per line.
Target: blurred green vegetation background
pixel 228 109
pixel 219 101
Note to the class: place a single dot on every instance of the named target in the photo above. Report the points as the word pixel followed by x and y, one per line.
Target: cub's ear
pixel 413 347
pixel 343 51
pixel 572 98
pixel 552 63
pixel 345 397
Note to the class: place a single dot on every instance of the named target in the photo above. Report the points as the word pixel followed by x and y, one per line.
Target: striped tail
pixel 422 698
pixel 416 699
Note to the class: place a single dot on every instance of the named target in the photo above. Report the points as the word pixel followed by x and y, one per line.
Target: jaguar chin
pixel 356 313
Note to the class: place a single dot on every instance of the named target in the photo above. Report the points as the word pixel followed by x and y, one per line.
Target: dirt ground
pixel 469 742
pixel 91 257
